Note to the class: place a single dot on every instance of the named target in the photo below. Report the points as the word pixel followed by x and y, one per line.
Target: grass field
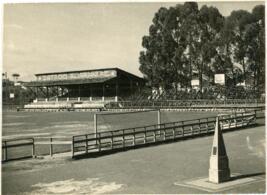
pixel 67 124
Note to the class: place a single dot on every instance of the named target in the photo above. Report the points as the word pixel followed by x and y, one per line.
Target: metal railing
pixel 138 136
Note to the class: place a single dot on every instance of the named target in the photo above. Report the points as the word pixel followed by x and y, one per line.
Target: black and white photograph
pixel 133 97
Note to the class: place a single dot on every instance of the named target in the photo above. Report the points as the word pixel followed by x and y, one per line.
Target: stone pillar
pixel 116 98
pixel 219 164
pixel 90 98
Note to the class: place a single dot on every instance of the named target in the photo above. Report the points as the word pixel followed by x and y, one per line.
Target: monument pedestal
pixel 220 173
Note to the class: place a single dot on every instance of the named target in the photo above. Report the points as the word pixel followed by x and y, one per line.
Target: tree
pixel 255 38
pixel 180 39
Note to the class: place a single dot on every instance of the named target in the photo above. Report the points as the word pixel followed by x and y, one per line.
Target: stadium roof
pixel 77 81
pixel 92 70
pixel 68 82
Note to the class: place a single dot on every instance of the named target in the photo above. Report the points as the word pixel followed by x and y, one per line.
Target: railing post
pixel 145 135
pixel 182 128
pixel 199 127
pixel 86 143
pixel 134 137
pixel 33 148
pixel 207 125
pixel 112 140
pixel 99 141
pixel 154 135
pixel 242 119
pixel 123 138
pixel 5 150
pixel 51 146
pixel 72 146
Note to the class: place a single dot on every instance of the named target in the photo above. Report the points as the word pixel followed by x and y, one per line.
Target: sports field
pixel 67 124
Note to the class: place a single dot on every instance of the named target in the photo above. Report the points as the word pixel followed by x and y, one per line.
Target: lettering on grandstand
pixel 219 79
pixel 77 75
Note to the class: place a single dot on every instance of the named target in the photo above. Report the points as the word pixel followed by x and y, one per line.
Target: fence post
pixel 134 137
pixel 86 144
pixel 207 125
pixel 182 128
pixel 33 148
pixel 111 139
pixel 51 146
pixel 123 138
pixel 145 135
pixel 159 119
pixel 199 126
pixel 72 146
pixel 5 150
pixel 99 141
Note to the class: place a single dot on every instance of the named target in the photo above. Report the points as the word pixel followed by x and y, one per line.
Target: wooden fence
pixel 14 149
pixel 141 136
pixel 17 144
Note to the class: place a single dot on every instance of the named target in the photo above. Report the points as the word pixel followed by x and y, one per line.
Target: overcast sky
pixel 53 37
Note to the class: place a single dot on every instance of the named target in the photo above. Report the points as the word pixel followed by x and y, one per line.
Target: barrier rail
pixel 187 103
pixel 133 137
pixel 16 143
pixel 34 150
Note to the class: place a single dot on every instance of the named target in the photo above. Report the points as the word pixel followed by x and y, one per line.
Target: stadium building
pixel 86 88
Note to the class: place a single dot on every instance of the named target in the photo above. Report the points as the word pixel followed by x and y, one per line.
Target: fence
pixel 20 153
pixel 141 136
pixel 228 103
pixel 35 146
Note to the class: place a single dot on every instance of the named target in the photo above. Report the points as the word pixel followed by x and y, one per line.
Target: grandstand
pixel 82 89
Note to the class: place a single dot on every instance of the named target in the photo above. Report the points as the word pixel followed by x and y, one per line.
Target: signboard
pixel 195 82
pixel 11 95
pixel 219 79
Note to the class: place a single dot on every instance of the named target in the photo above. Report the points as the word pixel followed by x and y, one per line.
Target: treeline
pixel 185 41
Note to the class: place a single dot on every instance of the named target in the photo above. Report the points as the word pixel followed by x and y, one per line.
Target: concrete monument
pixel 219 164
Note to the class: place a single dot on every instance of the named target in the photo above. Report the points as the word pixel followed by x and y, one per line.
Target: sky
pixel 54 37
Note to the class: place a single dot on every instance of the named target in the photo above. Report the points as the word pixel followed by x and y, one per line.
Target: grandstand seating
pixel 66 103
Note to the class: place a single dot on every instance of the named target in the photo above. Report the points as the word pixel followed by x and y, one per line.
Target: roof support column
pixel 131 86
pixel 79 90
pixel 117 90
pixel 103 89
pixel 47 93
pixel 91 92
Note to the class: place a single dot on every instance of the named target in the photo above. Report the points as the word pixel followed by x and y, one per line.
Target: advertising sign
pixel 11 95
pixel 219 79
pixel 195 82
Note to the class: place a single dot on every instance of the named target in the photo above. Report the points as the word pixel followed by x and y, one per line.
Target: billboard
pixel 11 95
pixel 219 79
pixel 195 82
